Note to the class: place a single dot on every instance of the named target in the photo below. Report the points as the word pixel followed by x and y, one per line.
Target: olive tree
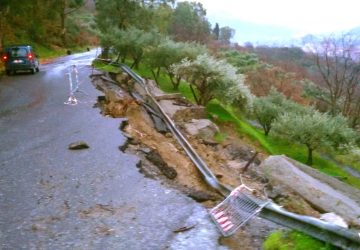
pixel 243 61
pixel 266 109
pixel 130 43
pixel 314 129
pixel 169 52
pixel 211 78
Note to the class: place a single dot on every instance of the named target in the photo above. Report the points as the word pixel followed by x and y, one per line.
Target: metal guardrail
pixel 336 235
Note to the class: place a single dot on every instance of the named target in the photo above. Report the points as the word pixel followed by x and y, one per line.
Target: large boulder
pixel 241 152
pixel 202 128
pixel 321 191
pixel 181 112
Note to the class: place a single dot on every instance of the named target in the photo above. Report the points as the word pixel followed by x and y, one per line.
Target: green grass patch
pixel 293 240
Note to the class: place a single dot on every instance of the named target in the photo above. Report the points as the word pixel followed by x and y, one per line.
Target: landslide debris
pixel 163 159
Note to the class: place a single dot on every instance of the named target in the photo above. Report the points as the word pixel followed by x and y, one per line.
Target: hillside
pixel 48 25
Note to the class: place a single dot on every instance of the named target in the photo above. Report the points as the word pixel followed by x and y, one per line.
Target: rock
pixel 78 145
pixel 241 152
pixel 237 165
pixel 203 129
pixel 185 114
pixel 159 124
pixel 219 176
pixel 198 195
pixel 123 147
pixel 101 98
pixel 181 111
pixel 155 158
pixel 335 219
pixel 317 191
pixel 275 192
pixel 123 124
pixel 210 143
pixel 145 150
pixel 143 169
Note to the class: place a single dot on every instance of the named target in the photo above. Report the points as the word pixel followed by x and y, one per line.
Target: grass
pixel 293 240
pixel 269 144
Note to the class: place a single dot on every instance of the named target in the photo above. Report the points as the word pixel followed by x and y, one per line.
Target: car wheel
pixel 33 70
pixel 8 72
pixel 37 69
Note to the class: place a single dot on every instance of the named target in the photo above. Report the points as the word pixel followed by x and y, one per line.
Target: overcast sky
pixel 283 19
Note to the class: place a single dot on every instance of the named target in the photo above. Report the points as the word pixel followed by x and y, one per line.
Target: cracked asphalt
pixel 54 198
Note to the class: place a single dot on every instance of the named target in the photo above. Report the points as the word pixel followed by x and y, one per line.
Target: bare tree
pixel 336 61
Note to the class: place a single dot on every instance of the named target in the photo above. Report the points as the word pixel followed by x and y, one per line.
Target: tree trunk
pixel 62 24
pixel 194 94
pixel 310 156
pixel 266 131
pixel 118 58
pixel 155 75
pixel 158 72
pixel 1 31
pixel 175 82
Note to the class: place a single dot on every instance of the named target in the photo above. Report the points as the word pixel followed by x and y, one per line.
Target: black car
pixel 20 58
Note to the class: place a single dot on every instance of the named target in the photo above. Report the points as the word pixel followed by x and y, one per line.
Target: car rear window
pixel 18 52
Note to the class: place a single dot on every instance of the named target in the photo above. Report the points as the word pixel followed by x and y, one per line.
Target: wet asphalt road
pixel 54 198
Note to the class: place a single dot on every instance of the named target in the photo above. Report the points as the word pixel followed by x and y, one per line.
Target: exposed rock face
pixel 318 191
pixel 203 129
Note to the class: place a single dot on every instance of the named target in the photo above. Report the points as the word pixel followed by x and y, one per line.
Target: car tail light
pixel 4 57
pixel 30 56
